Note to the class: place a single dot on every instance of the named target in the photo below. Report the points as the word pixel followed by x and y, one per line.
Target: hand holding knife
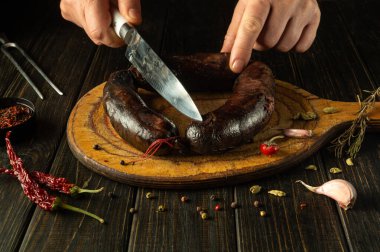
pixel 153 69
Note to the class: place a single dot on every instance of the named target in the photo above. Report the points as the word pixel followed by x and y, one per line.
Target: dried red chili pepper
pixel 269 148
pixel 32 189
pixel 54 183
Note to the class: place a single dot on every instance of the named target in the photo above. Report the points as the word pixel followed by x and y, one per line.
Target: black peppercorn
pixel 96 147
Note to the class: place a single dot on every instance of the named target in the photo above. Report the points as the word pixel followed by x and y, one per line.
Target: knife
pixel 153 69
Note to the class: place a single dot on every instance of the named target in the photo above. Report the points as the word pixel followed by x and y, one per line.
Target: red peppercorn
pixel 217 207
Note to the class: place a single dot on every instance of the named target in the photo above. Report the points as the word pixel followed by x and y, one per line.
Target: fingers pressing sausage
pixel 264 24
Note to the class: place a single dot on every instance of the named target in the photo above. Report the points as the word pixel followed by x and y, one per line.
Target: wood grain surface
pixel 342 62
pixel 89 125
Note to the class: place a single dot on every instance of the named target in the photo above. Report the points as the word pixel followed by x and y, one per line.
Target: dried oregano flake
pixel 335 170
pixel 311 167
pixel 277 193
pixel 255 189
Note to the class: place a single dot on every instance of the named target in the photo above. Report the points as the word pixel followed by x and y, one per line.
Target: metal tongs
pixel 5 45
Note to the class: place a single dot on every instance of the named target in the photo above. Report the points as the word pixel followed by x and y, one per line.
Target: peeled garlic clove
pixel 342 191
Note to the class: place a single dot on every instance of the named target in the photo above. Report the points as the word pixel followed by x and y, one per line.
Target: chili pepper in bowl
pixel 269 148
pixel 32 189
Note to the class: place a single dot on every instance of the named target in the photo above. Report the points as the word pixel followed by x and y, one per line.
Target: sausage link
pixel 243 115
pixel 132 119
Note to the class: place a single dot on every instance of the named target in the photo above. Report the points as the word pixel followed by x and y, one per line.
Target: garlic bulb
pixel 342 191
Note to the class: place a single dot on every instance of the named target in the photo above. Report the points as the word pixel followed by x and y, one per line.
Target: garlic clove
pixel 298 133
pixel 342 191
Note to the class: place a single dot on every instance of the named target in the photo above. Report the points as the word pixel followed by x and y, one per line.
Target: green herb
pixel 349 162
pixel 354 135
pixel 277 193
pixel 161 208
pixel 204 216
pixel 255 189
pixel 149 195
pixel 330 110
pixel 311 167
pixel 335 170
pixel 310 115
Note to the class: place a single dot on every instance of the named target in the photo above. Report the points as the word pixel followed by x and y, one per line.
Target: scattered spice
pixel 263 213
pixel 277 193
pixel 303 205
pixel 342 191
pixel 204 216
pixel 234 205
pixel 111 195
pixel 161 208
pixel 33 191
pixel 14 115
pixel 305 116
pixel 96 147
pixel 257 204
pixel 354 135
pixel 311 167
pixel 217 207
pixel 213 197
pixel 54 183
pixel 132 210
pixel 184 199
pixel 335 170
pixel 330 110
pixel 269 148
pixel 298 133
pixel 255 189
pixel 349 162
pixel 149 195
pixel 122 162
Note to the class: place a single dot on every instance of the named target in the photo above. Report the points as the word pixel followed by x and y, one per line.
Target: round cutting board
pixel 88 125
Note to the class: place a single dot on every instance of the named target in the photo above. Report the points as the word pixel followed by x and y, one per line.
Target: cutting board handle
pixel 348 111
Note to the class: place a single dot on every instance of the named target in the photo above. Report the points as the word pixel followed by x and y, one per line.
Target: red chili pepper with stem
pixel 269 148
pixel 32 189
pixel 54 183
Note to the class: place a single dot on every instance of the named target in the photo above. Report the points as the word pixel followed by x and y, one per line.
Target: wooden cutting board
pixel 89 125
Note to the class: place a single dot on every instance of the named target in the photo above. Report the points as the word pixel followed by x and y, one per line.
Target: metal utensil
pixel 6 45
pixel 153 69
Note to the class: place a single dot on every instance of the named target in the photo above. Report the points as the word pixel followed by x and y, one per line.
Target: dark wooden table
pixel 343 61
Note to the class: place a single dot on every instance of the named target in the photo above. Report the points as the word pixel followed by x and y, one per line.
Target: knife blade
pixel 153 69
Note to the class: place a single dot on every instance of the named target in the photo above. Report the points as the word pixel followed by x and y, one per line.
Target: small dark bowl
pixel 22 129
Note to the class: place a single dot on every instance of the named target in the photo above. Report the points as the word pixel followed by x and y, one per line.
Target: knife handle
pixel 121 26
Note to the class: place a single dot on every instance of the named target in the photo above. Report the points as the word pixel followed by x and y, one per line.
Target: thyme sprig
pixel 353 137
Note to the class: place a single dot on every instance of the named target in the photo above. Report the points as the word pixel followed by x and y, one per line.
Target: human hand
pixel 264 24
pixel 94 17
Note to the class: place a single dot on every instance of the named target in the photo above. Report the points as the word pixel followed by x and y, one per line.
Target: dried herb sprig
pixel 354 135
